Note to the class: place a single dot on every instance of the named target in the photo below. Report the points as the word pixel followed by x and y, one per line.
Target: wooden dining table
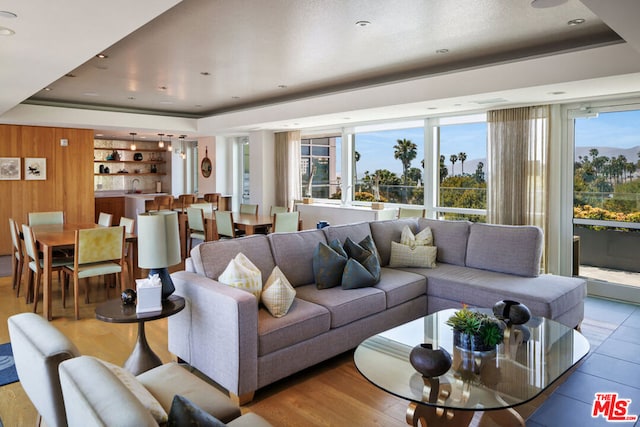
pixel 242 221
pixel 62 236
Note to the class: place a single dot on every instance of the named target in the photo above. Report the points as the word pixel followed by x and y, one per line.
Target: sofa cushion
pixel 505 248
pixel 345 306
pixel 304 320
pixel 363 266
pixel 356 231
pixel 185 413
pixel 293 252
pixel 241 273
pixel 401 286
pixel 450 237
pixel 211 258
pixel 546 295
pixel 412 256
pixel 423 238
pixel 278 294
pixel 385 232
pixel 328 264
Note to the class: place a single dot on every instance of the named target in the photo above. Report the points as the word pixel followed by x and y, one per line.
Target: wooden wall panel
pixel 69 183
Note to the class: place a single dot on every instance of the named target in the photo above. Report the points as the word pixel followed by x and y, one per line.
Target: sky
pixel 613 129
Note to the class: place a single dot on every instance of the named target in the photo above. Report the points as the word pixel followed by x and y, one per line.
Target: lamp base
pixel 165 279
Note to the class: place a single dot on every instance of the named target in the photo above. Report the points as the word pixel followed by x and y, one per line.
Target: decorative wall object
pixel 35 168
pixel 9 168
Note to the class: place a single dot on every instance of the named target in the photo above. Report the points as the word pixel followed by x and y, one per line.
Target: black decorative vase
pixel 430 362
pixel 512 312
pixel 129 297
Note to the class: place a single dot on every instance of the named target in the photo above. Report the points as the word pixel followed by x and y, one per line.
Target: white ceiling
pixel 263 54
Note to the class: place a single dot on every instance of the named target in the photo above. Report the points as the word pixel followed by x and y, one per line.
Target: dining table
pixel 249 223
pixel 50 237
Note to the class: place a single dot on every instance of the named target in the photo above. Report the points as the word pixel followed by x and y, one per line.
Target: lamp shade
pixel 158 240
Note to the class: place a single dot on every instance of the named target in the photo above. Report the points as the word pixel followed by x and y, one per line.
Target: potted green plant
pixel 475 331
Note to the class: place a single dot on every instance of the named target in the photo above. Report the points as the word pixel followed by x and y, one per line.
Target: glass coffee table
pixel 531 357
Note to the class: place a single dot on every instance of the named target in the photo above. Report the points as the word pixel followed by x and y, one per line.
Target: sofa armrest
pixel 217 332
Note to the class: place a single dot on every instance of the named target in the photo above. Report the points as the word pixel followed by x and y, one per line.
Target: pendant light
pixel 170 146
pixel 182 153
pixel 161 142
pixel 133 141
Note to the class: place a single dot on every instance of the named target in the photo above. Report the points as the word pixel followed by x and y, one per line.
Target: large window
pixel 320 161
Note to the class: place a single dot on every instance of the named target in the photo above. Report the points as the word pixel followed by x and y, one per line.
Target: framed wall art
pixel 9 168
pixel 35 168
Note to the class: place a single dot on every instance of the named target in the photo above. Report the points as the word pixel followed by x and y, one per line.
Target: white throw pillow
pixel 416 256
pixel 278 294
pixel 423 238
pixel 144 396
pixel 241 273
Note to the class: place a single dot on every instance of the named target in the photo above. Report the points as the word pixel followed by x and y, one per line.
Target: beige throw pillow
pixel 241 273
pixel 417 256
pixel 423 238
pixel 278 294
pixel 144 396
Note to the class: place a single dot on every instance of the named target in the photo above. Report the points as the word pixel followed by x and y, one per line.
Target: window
pixel 320 166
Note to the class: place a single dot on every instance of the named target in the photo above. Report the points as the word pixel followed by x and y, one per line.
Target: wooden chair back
pixel 163 202
pixel 185 200
pixel 212 198
pixel 40 218
pixel 17 260
pixel 285 221
pixel 224 224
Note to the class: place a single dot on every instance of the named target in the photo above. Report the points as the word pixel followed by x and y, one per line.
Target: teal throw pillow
pixel 185 413
pixel 328 264
pixel 363 266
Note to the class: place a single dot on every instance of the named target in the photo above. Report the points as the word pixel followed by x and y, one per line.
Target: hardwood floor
pixel 330 394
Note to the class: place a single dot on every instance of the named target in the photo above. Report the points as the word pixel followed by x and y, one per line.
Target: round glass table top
pixel 531 357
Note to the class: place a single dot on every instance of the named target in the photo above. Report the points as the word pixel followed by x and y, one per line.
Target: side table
pixel 142 358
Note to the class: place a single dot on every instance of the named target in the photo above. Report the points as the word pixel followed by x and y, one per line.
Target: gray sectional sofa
pixel 225 334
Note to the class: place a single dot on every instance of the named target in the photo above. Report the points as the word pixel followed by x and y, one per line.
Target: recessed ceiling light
pixel 363 23
pixel 198 106
pixel 99 134
pixel 442 51
pixel 282 86
pixel 102 56
pixel 235 97
pixel 131 97
pixel 346 118
pixel 432 108
pixel 7 14
pixel 558 92
pixel 4 31
pixel 47 89
pixel 205 73
pixel 576 21
pixel 162 88
pixel 69 75
pixel 541 4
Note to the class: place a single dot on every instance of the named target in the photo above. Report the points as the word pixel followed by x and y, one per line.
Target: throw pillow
pixel 328 264
pixel 363 266
pixel 242 274
pixel 144 396
pixel 278 294
pixel 423 238
pixel 416 256
pixel 185 413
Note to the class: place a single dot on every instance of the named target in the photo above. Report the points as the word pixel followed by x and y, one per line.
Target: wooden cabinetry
pixel 111 205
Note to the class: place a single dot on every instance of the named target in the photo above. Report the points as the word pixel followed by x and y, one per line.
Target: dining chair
pixel 206 207
pixel 248 209
pixel 163 202
pixel 212 198
pixel 411 213
pixel 105 219
pixel 98 251
pixel 269 228
pixel 43 218
pixel 36 265
pixel 278 209
pixel 196 230
pixel 285 221
pixel 129 225
pixel 184 201
pixel 224 224
pixel 17 260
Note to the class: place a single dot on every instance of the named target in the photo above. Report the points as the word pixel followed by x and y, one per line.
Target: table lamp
pixel 159 245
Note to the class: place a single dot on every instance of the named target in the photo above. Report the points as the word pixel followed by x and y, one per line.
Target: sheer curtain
pixel 288 182
pixel 518 176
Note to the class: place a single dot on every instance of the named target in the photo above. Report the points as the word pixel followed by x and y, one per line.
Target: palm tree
pixel 443 169
pixel 462 156
pixel 356 158
pixel 453 160
pixel 406 151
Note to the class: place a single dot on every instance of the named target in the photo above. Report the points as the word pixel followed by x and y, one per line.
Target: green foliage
pixel 472 322
pixel 590 212
pixel 463 192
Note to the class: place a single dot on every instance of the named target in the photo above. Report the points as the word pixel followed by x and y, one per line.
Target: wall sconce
pixel 133 142
pixel 161 142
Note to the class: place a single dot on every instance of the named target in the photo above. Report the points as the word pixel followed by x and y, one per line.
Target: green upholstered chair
pixel 285 221
pixel 195 218
pixel 206 207
pixel 41 218
pixel 278 209
pixel 224 224
pixel 105 219
pixel 248 209
pixel 411 213
pixel 98 251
